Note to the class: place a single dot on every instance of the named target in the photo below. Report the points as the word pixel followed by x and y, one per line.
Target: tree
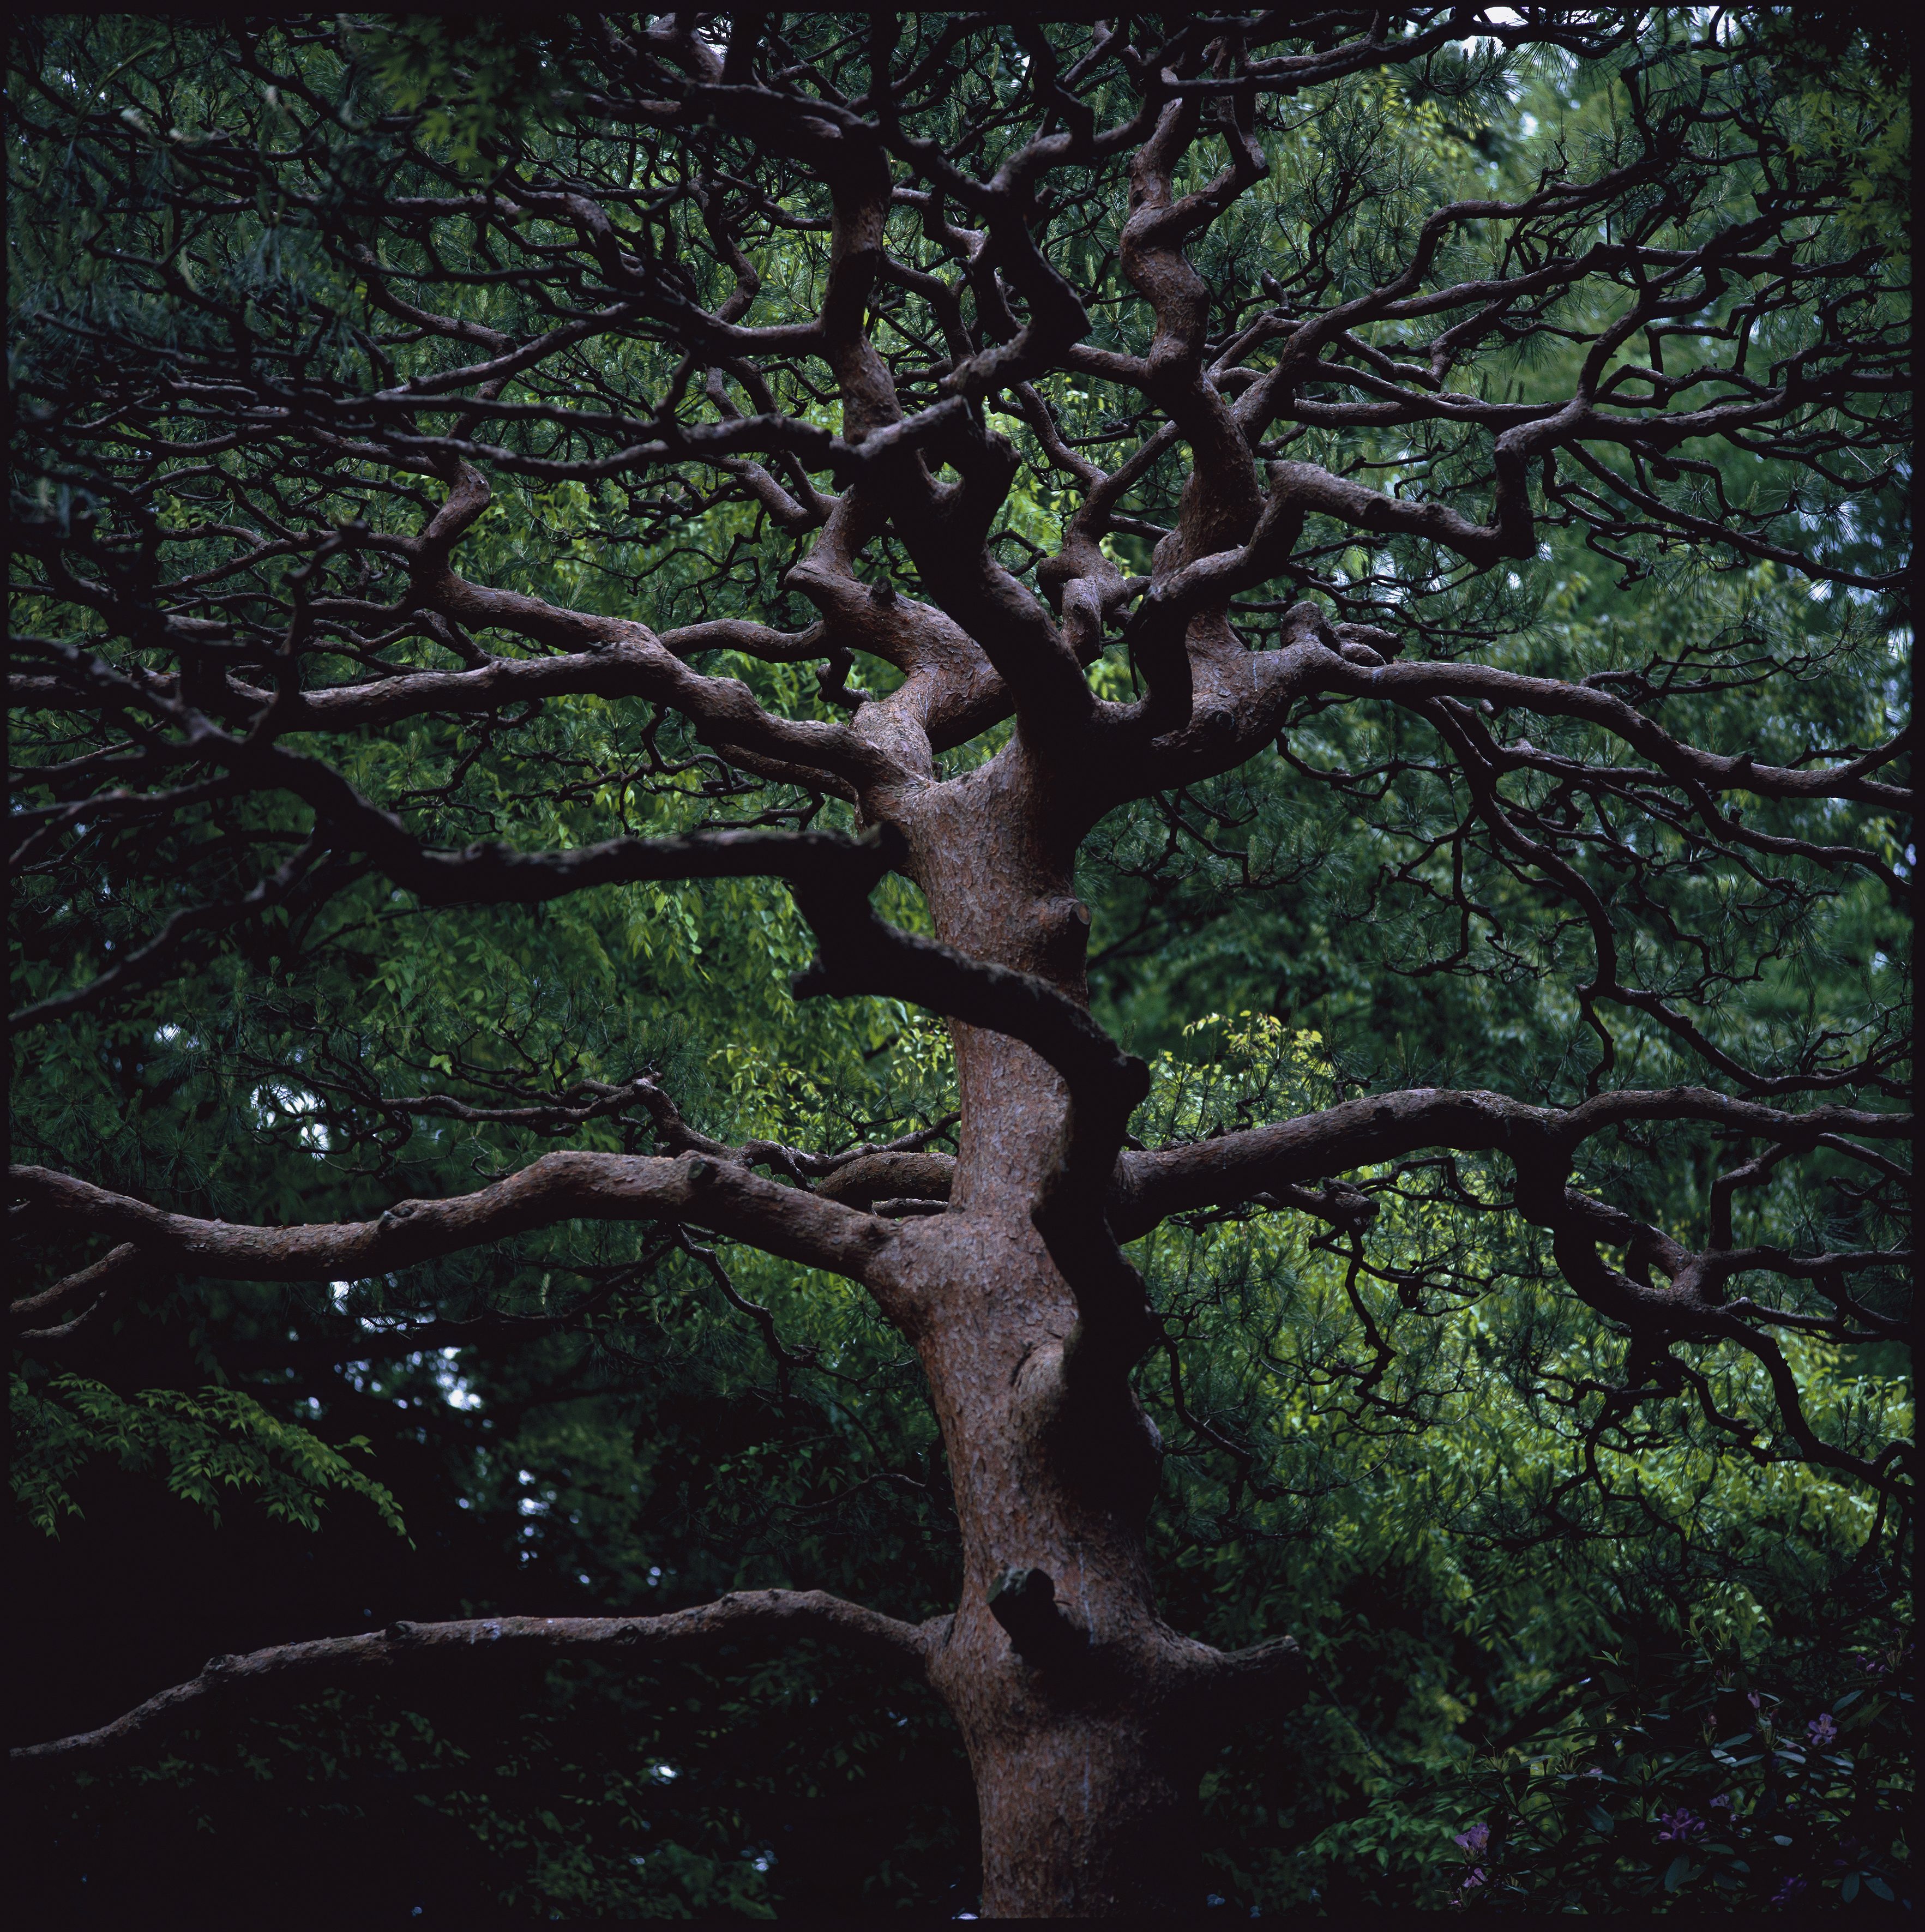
pixel 428 444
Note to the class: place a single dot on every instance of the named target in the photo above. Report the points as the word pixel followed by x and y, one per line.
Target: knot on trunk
pixel 1023 1602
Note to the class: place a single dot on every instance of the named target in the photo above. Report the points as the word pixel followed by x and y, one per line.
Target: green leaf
pixel 199 1444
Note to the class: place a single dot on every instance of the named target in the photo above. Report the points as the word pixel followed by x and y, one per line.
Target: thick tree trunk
pixel 1080 1748
pixel 1087 1803
pixel 1074 1711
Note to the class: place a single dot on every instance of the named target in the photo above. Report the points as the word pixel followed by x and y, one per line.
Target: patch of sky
pixel 292 1104
pixel 455 1391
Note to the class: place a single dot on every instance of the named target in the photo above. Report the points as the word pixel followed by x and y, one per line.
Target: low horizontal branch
pixel 241 1686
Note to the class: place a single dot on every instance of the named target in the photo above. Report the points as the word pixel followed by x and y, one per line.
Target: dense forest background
pixel 1549 1666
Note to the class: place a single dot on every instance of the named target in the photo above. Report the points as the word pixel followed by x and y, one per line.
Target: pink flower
pixel 1475 1878
pixel 1474 1841
pixel 1822 1729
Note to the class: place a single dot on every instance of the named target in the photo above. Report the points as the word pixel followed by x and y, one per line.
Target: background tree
pixel 1359 556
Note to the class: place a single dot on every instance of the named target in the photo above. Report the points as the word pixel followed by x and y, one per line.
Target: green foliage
pixel 221 1439
pixel 1407 1456
pixel 472 81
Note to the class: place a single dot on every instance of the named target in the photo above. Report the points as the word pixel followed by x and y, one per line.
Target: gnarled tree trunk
pixel 1071 1695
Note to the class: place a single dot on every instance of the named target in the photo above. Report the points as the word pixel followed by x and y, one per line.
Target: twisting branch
pixel 691 1189
pixel 1542 1145
pixel 1236 1166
